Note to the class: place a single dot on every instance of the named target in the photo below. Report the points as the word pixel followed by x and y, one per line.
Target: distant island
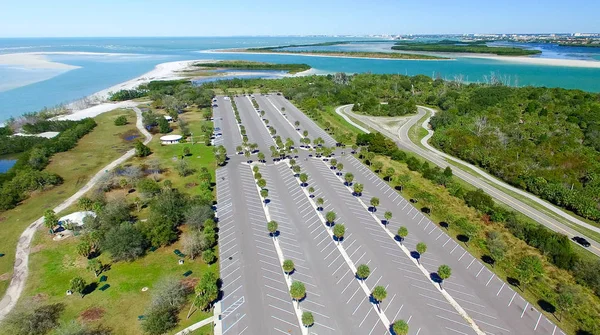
pixel 464 47
pixel 284 49
pixel 248 65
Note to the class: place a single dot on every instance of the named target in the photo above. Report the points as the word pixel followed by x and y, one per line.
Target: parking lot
pixel 256 298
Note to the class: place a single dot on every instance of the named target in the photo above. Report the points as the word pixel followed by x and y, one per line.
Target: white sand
pixel 48 134
pixel 164 71
pixel 542 61
pixel 33 61
pixel 96 110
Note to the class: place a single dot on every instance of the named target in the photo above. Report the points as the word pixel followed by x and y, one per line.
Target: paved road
pixel 21 266
pixel 403 141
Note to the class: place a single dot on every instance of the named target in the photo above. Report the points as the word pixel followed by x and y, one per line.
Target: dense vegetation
pixel 322 44
pixel 174 95
pixel 544 140
pixel 464 47
pixel 359 54
pixel 247 65
pixel 27 174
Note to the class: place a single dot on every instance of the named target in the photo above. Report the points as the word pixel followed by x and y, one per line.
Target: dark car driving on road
pixel 581 241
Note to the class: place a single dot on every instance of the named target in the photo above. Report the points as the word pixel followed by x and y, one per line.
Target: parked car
pixel 581 241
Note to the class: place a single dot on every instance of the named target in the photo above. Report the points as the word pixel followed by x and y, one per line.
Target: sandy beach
pixel 541 61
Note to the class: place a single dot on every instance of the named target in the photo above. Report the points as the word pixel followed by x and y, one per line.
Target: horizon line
pixel 302 35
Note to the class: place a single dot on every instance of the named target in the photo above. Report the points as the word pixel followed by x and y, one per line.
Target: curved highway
pixel 439 158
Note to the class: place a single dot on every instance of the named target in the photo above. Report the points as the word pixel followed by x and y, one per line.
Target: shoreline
pixel 163 71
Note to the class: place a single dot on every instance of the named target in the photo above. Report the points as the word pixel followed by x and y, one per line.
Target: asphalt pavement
pixel 255 295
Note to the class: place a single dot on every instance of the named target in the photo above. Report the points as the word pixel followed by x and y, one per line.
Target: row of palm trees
pixel 297 288
pixel 444 271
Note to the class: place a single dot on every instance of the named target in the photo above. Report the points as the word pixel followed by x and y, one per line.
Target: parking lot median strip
pixel 384 319
pixel 288 280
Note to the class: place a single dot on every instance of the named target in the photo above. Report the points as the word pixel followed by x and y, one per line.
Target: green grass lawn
pixel 95 150
pixel 53 264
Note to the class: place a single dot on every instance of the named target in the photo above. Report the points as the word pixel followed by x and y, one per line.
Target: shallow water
pixel 6 164
pixel 127 58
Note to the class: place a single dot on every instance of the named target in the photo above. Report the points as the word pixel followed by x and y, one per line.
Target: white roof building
pixel 170 139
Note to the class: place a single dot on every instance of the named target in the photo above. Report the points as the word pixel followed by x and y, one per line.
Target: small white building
pixel 170 139
pixel 168 118
pixel 76 218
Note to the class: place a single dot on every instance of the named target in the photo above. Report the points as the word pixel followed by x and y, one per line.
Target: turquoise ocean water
pixel 120 59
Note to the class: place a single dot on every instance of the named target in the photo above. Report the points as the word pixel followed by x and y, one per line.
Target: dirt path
pixel 21 265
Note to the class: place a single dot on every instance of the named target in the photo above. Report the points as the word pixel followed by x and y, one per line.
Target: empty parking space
pixel 408 298
pixel 480 292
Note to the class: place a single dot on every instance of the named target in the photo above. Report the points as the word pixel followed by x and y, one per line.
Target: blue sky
pixel 83 18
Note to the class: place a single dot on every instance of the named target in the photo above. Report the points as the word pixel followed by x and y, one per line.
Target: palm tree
pixel 307 319
pixel 358 188
pixel 339 167
pixel 247 154
pixel 378 166
pixel 272 228
pixel 354 148
pixel 363 272
pixel 261 183
pixel 338 231
pixel 78 285
pixel 297 291
pixel 333 162
pixel 370 156
pixel 402 233
pixel 400 327
pixel 297 124
pixel 388 216
pixel 264 193
pixel 303 178
pixel 261 157
pixel 239 149
pixel 311 190
pixel 389 172
pixel 288 267
pixel 348 177
pixel 305 133
pixel 374 203
pixel 296 169
pixel 444 272
pixel 421 249
pixel 330 218
pixel 50 220
pixel 320 202
pixel 379 293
